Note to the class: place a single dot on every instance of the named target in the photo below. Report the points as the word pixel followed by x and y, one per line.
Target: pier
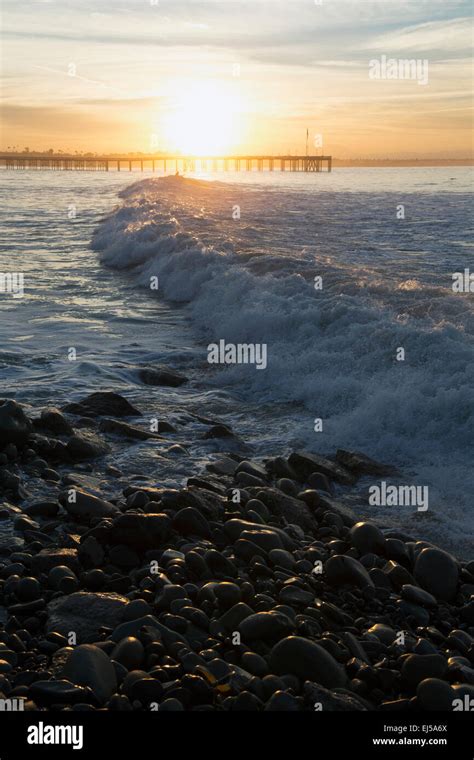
pixel 167 164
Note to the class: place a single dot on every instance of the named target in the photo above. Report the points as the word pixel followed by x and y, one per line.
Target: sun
pixel 204 119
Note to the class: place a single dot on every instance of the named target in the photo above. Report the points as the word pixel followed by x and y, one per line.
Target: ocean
pixel 346 278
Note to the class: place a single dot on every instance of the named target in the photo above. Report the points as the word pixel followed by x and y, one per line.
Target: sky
pixel 238 76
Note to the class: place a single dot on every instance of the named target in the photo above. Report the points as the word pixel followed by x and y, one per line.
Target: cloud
pixel 453 36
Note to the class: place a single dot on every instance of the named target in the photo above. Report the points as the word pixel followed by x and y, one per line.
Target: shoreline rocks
pixel 121 593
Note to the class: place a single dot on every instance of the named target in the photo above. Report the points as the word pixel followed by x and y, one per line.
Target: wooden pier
pixel 168 164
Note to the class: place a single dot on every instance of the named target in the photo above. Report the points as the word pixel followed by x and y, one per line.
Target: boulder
pixel 15 427
pixel 85 613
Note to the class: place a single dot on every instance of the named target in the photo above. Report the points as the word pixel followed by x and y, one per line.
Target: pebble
pixel 341 569
pixel 28 589
pixel 130 652
pixel 47 693
pixel 434 694
pixel 308 661
pixel 190 522
pixel 85 613
pixel 87 665
pixel 437 572
pixel 265 626
pixel 417 667
pixel 367 538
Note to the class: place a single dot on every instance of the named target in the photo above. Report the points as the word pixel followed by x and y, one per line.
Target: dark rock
pixel 15 427
pixel 417 667
pixel 252 468
pixel 46 559
pixel 398 575
pixel 140 531
pixel 266 539
pixel 384 633
pixel 341 569
pixel 360 464
pixel 409 610
pixel 80 504
pixel 281 701
pixel 42 509
pixel 227 594
pixel 103 403
pixel 85 613
pixel 91 553
pixel 434 694
pixel 265 626
pixel 52 419
pixel 47 693
pixel 190 522
pixel 308 661
pixel 437 572
pixel 127 431
pixel 61 578
pixel 130 652
pixel 161 376
pixel 123 557
pixel 418 596
pixel 367 538
pixel 88 665
pixel 305 463
pixel 146 691
pixel 235 527
pixel 282 505
pixel 83 447
pixel 27 589
pixel 219 431
pixel 294 595
pixel 282 558
pixel 223 466
pixel 323 700
pixel 133 628
pixel 254 664
pixel 231 619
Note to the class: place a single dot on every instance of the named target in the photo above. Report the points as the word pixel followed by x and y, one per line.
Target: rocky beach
pixel 253 587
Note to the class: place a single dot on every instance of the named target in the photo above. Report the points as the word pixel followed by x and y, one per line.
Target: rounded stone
pixel 341 569
pixel 265 626
pixel 190 522
pixel 417 667
pixel 227 594
pixel 437 572
pixel 367 538
pixel 307 660
pixel 28 589
pixel 129 652
pixel 87 665
pixel 434 694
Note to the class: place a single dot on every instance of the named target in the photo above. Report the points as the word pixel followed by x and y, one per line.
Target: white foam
pixel 385 285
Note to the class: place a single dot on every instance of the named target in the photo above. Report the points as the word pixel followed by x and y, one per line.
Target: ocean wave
pixel 333 352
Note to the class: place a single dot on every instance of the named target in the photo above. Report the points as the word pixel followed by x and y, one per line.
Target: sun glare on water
pixel 204 119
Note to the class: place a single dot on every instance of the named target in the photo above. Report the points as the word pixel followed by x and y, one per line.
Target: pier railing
pixel 168 164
